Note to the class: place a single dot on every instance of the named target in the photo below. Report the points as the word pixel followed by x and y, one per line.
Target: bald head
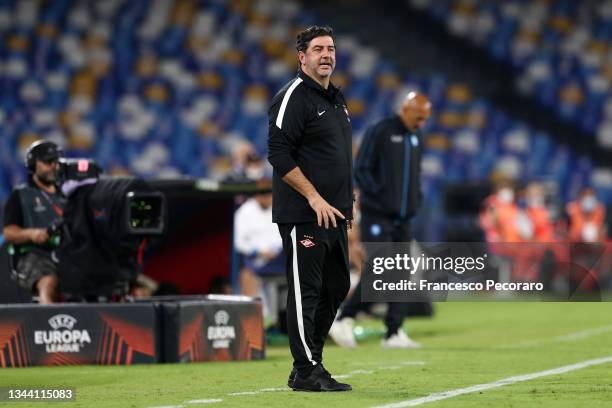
pixel 415 110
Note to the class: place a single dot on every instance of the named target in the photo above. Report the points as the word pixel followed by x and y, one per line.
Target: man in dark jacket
pixel 387 171
pixel 29 213
pixel 310 144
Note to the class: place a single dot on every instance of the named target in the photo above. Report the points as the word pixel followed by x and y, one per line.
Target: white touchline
pixel 233 394
pixel 170 406
pixel 410 362
pixel 583 334
pixel 287 389
pixel 352 373
pixel 506 381
pixel 338 377
pixel 274 389
pixel 204 401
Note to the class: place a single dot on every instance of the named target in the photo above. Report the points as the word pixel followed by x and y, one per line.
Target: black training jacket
pixel 388 169
pixel 309 127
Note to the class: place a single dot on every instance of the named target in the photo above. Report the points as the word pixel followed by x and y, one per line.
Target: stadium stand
pixel 162 88
pixel 559 50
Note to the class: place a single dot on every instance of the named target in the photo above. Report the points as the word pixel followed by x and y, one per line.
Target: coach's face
pixel 319 60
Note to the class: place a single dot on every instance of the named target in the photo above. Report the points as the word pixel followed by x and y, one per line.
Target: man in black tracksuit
pixel 310 149
pixel 387 172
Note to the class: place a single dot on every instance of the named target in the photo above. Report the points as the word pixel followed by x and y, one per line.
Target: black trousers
pixel 376 228
pixel 318 277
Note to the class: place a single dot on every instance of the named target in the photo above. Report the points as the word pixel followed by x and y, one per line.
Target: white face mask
pixel 588 203
pixel 505 195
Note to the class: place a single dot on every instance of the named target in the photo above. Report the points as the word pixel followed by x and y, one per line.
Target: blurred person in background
pixel 388 174
pixel 536 210
pixel 587 218
pixel 357 255
pixel 521 234
pixel 590 255
pixel 247 166
pixel 505 224
pixel 546 253
pixel 30 212
pixel 143 287
pixel 500 217
pixel 259 245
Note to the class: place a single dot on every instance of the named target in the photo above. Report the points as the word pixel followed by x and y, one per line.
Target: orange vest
pixel 579 219
pixel 543 230
pixel 500 221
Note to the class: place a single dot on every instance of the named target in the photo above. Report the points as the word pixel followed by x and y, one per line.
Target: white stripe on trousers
pixel 298 297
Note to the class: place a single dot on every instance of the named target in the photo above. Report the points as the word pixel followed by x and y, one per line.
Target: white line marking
pixel 169 406
pixel 506 381
pixel 236 394
pixel 204 401
pixel 409 362
pixel 287 389
pixel 233 394
pixel 361 372
pixel 337 377
pixel 579 335
pixel 352 373
pixel 584 334
pixel 275 389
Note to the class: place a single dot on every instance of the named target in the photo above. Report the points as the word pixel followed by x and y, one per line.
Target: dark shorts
pixel 31 267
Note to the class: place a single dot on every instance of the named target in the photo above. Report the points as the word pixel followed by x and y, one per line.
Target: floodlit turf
pixel 464 344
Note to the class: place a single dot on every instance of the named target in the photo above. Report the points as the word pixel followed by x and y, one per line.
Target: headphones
pixel 37 150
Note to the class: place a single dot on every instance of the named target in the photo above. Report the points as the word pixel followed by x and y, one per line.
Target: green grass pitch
pixel 465 344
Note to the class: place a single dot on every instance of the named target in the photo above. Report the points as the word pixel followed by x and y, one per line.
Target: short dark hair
pixel 303 38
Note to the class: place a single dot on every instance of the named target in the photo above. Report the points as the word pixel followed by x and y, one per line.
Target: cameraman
pixel 31 212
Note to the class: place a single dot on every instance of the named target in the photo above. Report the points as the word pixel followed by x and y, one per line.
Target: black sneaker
pixel 291 378
pixel 319 380
pixel 344 385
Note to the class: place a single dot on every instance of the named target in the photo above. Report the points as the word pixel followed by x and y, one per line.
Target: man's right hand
pixel 325 212
pixel 39 236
